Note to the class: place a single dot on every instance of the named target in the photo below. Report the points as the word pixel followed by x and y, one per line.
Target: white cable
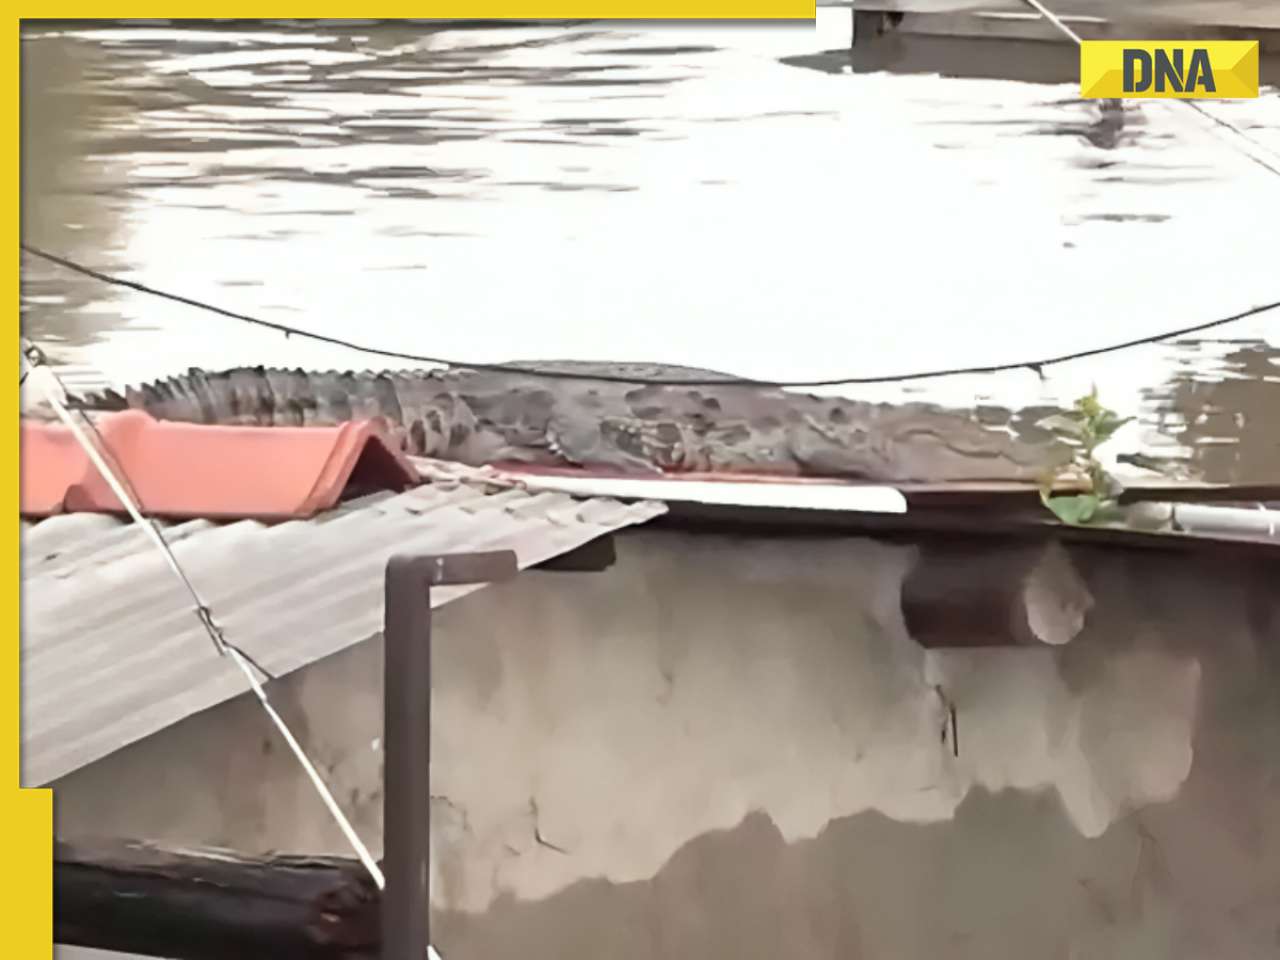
pixel 343 823
pixel 236 656
pixel 1273 165
pixel 147 527
pixel 1052 17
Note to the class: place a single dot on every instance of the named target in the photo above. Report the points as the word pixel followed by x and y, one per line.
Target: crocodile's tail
pixel 415 404
pixel 264 396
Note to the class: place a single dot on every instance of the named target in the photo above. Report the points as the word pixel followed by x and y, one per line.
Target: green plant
pixel 1086 427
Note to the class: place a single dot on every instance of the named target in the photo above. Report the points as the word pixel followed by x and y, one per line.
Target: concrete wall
pixel 730 747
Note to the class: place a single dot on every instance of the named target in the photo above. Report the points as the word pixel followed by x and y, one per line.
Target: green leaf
pixel 1088 424
pixel 1060 423
pixel 1089 405
pixel 1073 510
pixel 1109 511
pixel 1108 423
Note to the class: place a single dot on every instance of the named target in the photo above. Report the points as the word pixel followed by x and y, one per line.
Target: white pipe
pixel 727 492
pixel 1227 521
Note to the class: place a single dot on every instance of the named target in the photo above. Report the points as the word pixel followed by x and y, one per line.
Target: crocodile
pixel 713 424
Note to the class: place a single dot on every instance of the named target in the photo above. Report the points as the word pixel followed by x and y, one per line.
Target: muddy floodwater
pixel 749 198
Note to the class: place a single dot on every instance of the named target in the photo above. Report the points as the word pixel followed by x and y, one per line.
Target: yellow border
pixel 27 815
pixel 493 10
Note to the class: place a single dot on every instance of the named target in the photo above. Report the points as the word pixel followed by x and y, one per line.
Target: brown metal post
pixel 406 811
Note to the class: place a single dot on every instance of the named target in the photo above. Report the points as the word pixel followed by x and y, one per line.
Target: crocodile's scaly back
pixel 486 416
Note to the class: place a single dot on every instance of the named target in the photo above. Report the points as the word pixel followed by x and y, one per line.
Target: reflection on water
pixel 1227 414
pixel 748 198
pixel 63 185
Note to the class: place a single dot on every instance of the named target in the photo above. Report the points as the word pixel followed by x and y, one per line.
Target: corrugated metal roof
pixel 111 651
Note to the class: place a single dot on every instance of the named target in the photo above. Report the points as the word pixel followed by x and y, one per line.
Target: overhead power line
pixel 1035 364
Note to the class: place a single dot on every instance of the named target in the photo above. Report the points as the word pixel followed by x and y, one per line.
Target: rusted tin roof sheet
pixel 184 470
pixel 111 651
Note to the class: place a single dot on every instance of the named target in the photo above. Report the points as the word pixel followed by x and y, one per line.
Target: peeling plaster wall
pixel 730 747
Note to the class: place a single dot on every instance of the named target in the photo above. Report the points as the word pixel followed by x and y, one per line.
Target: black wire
pixel 1034 365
